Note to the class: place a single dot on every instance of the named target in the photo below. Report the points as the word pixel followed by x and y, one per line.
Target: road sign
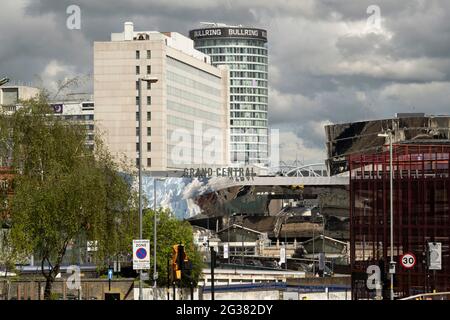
pixel 434 255
pixel 282 255
pixel 225 250
pixel 110 274
pixel 408 260
pixel 92 246
pixel 141 254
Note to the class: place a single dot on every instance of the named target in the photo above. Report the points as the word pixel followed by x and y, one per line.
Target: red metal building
pixel 421 195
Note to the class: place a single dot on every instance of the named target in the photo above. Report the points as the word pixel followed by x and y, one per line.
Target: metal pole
pixel 213 262
pixel 168 279
pixel 140 177
pixel 314 253
pixel 285 243
pixel 392 213
pixel 155 273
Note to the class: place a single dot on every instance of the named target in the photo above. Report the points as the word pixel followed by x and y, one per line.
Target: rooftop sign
pixel 228 32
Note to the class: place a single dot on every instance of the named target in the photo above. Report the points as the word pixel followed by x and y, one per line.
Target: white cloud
pixel 293 148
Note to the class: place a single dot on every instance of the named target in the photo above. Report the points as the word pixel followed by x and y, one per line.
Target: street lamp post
pixel 155 221
pixel 388 134
pixel 151 80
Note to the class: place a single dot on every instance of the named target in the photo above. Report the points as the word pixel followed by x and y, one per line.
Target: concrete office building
pixel 74 107
pixel 244 51
pixel 79 109
pixel 189 97
pixel 10 95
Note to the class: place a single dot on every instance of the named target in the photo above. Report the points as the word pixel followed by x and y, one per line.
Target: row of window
pixel 188 82
pixel 262 139
pixel 234 50
pixel 149 116
pixel 149 162
pixel 249 91
pixel 149 146
pixel 79 117
pixel 138 54
pixel 138 70
pixel 243 106
pixel 246 147
pixel 230 42
pixel 149 85
pixel 248 123
pixel 149 131
pixel 246 66
pixel 239 58
pixel 149 100
pixel 248 74
pixel 256 115
pixel 192 70
pixel 172 105
pixel 248 82
pixel 259 157
pixel 249 131
pixel 249 99
pixel 183 94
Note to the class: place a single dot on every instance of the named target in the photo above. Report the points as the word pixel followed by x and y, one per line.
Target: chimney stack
pixel 128 31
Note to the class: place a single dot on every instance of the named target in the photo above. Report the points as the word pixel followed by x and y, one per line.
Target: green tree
pixel 171 231
pixel 63 190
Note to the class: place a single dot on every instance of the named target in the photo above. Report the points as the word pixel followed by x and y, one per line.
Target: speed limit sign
pixel 408 260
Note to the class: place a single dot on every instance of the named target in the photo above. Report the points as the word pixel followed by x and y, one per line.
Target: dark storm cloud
pixel 326 63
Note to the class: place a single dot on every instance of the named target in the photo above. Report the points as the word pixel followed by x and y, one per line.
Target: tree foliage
pixel 63 190
pixel 171 231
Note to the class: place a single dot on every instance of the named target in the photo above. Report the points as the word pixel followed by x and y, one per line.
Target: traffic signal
pixel 176 269
pixel 180 262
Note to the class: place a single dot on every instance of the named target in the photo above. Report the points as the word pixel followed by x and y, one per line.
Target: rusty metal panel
pixel 421 194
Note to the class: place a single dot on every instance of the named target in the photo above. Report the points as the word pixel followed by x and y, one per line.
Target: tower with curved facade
pixel 244 51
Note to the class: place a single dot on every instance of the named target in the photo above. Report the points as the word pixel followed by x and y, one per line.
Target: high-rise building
pixel 244 51
pixel 184 108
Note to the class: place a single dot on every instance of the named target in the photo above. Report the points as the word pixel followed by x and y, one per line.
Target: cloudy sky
pixel 331 61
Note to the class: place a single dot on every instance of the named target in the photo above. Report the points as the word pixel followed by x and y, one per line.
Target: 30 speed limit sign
pixel 408 260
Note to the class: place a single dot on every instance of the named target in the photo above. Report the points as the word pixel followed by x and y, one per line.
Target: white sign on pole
pixel 225 251
pixel 141 254
pixel 435 255
pixel 92 246
pixel 282 255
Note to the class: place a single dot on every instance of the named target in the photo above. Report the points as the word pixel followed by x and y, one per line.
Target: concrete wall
pixel 94 289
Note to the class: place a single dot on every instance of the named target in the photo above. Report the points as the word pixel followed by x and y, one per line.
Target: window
pixel 138 70
pixel 137 85
pixel 137 162
pixel 149 116
pixel 149 146
pixel 149 69
pixel 149 131
pixel 137 116
pixel 149 100
pixel 138 54
pixel 137 101
pixel 149 162
pixel 137 131
pixel 137 146
pixel 149 85
pixel 149 54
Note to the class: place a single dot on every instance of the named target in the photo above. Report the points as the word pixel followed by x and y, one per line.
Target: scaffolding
pixel 421 192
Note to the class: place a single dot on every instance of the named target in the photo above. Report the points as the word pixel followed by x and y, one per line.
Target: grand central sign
pixel 228 32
